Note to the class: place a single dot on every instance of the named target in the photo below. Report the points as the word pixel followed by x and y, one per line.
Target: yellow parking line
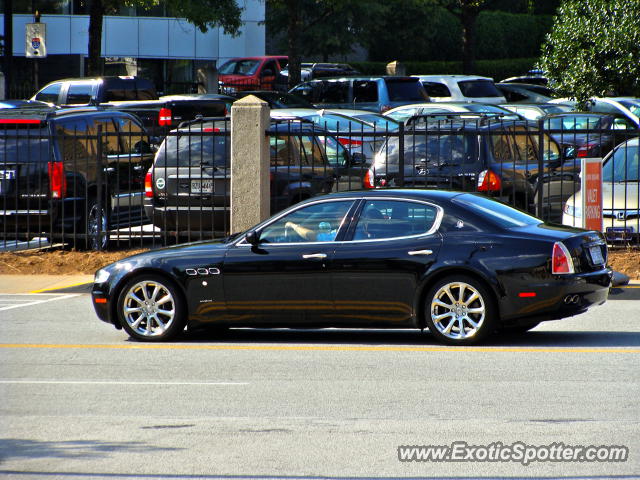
pixel 60 288
pixel 148 346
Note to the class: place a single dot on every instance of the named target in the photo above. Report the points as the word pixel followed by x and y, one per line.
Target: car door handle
pixel 311 256
pixel 420 252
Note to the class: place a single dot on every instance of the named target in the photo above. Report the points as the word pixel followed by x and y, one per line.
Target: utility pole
pixel 36 82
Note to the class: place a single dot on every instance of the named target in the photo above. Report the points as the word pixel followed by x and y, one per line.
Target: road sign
pixel 591 193
pixel 36 34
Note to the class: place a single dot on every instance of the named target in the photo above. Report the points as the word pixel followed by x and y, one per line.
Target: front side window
pixel 134 139
pixel 319 222
pixel 382 219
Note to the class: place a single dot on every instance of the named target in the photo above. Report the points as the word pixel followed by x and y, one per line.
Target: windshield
pixel 634 107
pixel 239 67
pixel 623 165
pixel 496 212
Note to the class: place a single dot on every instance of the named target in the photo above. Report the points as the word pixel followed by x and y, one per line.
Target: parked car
pixel 250 73
pixel 459 264
pixel 187 191
pixel 404 113
pixel 354 133
pixel 460 88
pixel 620 195
pixel 276 99
pixel 497 158
pixel 377 94
pixel 525 93
pixel 57 180
pixel 309 71
pixel 534 76
pixel 534 112
pixel 588 134
pixel 162 115
pixel 95 90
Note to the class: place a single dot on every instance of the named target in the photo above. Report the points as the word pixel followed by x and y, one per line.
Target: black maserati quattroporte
pixel 460 264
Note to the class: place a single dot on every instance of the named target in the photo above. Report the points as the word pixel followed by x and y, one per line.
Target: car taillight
pixel 488 181
pixel 369 180
pixel 57 180
pixel 164 117
pixel 584 150
pixel 346 142
pixel 561 262
pixel 148 185
pixel 210 129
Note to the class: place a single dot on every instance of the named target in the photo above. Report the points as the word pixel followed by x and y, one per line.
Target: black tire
pixel 97 226
pixel 460 321
pixel 161 312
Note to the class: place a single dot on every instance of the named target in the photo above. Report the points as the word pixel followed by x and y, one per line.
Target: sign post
pixel 591 192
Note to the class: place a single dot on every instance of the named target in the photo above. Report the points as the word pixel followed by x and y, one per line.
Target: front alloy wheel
pixel 151 309
pixel 459 310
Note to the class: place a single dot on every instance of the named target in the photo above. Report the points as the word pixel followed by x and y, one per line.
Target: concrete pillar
pixel 250 183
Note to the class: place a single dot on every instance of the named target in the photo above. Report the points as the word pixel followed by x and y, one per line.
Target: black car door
pixel 286 278
pixel 376 272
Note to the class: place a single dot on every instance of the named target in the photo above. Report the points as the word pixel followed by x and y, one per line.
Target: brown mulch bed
pixel 59 262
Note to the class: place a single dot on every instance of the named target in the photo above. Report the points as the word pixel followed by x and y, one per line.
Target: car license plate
pixel 7 174
pixel 204 186
pixel 596 255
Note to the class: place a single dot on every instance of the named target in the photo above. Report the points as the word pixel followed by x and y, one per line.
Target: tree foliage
pixel 593 48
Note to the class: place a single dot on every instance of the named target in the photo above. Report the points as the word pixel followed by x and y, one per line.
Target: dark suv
pixel 187 192
pixel 71 174
pixel 467 153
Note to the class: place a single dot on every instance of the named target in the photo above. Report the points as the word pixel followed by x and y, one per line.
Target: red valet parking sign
pixel 591 191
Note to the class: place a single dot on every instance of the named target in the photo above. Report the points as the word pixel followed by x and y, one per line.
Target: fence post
pixel 250 179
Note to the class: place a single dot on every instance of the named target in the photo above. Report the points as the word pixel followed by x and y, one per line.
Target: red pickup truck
pixel 250 73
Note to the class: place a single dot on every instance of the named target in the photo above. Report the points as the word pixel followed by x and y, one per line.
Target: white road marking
pixel 106 382
pixel 51 297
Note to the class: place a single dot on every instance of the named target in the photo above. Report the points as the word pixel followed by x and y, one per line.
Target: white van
pixel 461 88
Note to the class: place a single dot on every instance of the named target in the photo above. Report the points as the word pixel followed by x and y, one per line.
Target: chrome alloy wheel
pixel 149 308
pixel 458 310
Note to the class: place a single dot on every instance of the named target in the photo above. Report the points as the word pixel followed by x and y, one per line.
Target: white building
pixel 167 50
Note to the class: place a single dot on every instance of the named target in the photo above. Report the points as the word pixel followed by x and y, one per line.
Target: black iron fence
pixel 101 186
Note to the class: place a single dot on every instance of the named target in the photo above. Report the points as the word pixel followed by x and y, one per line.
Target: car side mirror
pixel 253 238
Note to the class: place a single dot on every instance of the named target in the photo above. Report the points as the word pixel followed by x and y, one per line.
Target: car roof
pixel 451 77
pixel 417 194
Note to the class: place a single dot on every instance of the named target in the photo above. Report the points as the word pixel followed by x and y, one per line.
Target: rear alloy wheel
pixel 460 311
pixel 97 225
pixel 151 309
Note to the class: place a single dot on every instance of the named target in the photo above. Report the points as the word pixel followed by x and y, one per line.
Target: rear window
pixel 194 149
pixel 478 88
pixel 574 122
pixel 496 212
pixel 432 150
pixel 402 90
pixel 23 145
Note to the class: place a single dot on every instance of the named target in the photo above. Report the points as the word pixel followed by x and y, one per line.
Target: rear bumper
pixel 555 298
pixel 189 219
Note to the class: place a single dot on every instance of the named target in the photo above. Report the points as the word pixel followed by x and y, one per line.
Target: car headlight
pixel 101 276
pixel 572 210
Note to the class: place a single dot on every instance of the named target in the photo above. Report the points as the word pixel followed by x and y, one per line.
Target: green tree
pixel 593 48
pixel 204 14
pixel 319 27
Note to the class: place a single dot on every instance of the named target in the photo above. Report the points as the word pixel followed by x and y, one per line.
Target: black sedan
pixel 460 264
